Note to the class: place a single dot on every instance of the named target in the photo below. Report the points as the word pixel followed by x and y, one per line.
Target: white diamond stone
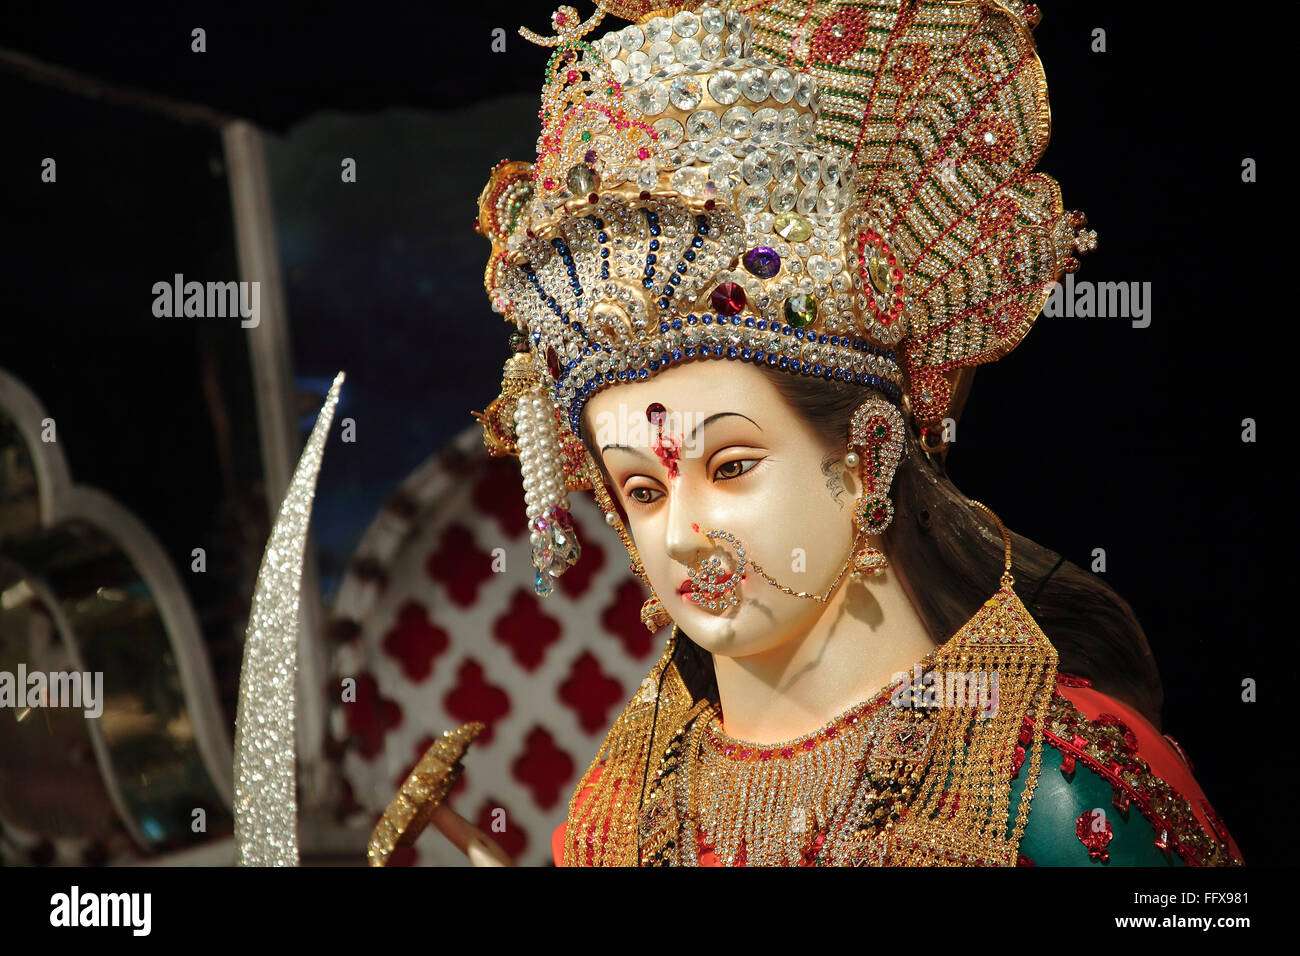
pixel 638 66
pixel 658 29
pixel 752 200
pixel 686 24
pixel 766 126
pixel 757 168
pixel 632 38
pixel 829 201
pixel 724 87
pixel 753 83
pixel 784 197
pixel 803 91
pixel 685 92
pixel 670 132
pixel 810 167
pixel 783 84
pixel 726 173
pixel 651 97
pixel 735 122
pixel 787 165
pixel 702 124
pixel 661 54
pixel 807 201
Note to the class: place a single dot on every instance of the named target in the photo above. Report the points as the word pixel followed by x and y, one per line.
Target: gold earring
pixel 654 615
pixel 875 449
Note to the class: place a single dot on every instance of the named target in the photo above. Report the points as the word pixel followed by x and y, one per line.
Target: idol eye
pixel 731 469
pixel 636 494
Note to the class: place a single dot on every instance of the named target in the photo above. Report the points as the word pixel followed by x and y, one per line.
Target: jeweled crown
pixel 841 190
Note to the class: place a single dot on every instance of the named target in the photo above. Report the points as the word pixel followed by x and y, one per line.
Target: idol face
pixel 714 446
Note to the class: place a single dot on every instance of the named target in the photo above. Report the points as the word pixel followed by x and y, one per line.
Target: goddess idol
pixel 748 275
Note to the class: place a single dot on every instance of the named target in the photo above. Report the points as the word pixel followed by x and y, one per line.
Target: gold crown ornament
pixel 841 190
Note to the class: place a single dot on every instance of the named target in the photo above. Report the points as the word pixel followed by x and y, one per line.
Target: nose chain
pixel 716 586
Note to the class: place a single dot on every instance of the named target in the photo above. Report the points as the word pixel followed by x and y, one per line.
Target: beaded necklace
pixel 797 801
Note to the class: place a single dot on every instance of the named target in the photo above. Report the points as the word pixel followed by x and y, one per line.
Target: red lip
pixel 688 586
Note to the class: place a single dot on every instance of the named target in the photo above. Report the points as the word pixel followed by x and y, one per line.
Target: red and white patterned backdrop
pixel 435 637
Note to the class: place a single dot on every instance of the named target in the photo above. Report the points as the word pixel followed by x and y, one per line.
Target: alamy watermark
pixel 25 691
pixel 1100 300
pixel 208 300
pixel 977 690
pixel 133 911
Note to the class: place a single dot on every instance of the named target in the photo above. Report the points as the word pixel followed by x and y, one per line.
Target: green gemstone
pixel 800 310
pixel 586 135
pixel 881 431
pixel 792 226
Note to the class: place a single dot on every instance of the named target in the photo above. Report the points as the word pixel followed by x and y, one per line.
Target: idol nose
pixel 687 544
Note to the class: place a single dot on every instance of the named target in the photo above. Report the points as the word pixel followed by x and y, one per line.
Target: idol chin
pixel 714 629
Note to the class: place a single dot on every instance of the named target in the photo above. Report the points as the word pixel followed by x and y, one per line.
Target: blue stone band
pixel 884 359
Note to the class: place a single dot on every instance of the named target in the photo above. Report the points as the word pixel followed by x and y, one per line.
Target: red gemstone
pixel 808 744
pixel 765 755
pixel 788 751
pixel 728 299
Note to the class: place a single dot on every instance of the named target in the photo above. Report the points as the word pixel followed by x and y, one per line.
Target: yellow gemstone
pixel 792 226
pixel 878 268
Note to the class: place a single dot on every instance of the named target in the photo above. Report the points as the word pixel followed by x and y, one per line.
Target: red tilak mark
pixel 669 451
pixel 694 526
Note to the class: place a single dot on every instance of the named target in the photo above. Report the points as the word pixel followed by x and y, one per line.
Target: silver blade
pixel 266 804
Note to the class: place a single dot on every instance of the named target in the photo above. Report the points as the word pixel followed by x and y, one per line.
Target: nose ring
pixel 714 587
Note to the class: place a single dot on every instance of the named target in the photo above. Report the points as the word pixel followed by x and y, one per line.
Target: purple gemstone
pixel 762 262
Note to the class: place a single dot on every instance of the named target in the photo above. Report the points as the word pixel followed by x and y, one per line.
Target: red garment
pixel 1162 755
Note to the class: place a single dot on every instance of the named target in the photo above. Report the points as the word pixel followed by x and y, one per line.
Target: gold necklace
pixel 791 802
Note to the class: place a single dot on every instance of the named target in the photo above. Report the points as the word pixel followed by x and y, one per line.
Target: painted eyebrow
pixel 694 431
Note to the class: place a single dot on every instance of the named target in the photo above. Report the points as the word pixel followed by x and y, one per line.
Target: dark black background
pixel 1091 434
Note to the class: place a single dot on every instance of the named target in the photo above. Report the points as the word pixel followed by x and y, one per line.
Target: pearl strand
pixel 550 529
pixel 539 458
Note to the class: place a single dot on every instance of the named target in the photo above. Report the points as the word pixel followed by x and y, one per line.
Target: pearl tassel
pixel 550 528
